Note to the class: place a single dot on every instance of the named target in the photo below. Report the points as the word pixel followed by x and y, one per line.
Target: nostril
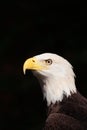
pixel 33 60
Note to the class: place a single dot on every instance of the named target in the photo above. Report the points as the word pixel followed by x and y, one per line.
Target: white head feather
pixel 57 80
pixel 55 75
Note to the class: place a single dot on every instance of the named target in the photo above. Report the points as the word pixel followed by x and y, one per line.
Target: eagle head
pixel 55 75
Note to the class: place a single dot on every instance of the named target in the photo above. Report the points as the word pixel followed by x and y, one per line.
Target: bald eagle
pixel 67 108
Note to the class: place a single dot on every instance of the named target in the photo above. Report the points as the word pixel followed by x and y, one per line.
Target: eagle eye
pixel 48 61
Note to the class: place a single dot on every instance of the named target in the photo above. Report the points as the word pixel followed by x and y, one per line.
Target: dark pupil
pixel 49 61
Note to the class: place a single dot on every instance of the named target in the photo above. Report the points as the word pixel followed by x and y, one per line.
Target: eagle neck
pixel 54 90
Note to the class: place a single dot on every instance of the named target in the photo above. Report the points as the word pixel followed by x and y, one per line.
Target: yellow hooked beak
pixel 32 64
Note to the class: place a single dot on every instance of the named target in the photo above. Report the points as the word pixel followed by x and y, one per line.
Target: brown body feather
pixel 70 114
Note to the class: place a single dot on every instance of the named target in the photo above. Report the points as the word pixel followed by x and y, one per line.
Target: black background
pixel 29 28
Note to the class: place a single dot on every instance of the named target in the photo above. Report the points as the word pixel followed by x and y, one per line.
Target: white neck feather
pixel 55 89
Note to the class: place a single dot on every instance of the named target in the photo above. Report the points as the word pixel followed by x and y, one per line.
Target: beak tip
pixel 24 70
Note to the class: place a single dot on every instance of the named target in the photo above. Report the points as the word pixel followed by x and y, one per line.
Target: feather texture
pixel 70 114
